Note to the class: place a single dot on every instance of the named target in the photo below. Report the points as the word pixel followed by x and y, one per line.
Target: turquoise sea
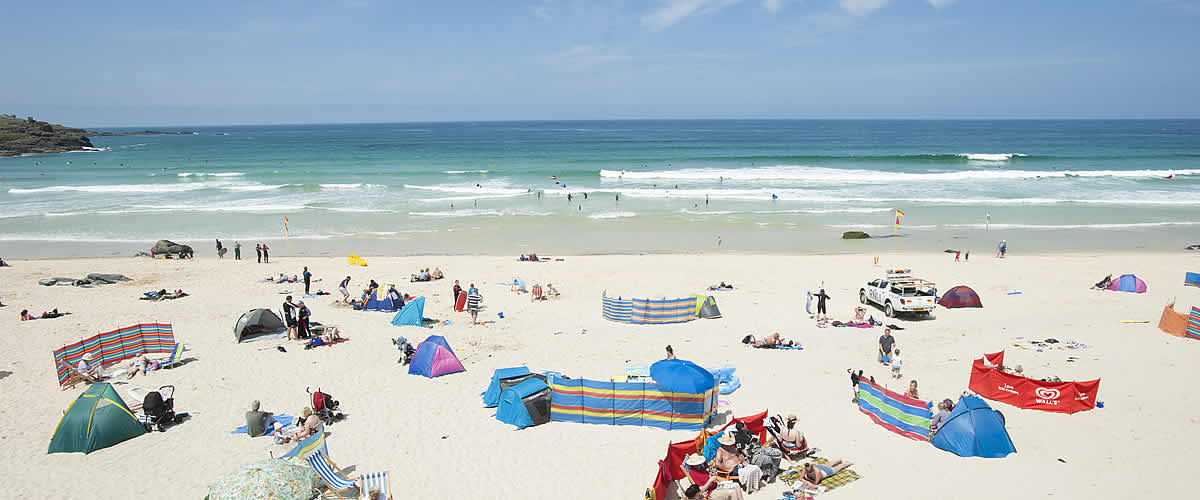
pixel 615 186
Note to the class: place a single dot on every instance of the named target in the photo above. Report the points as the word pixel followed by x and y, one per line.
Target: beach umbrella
pixel 274 479
pixel 679 375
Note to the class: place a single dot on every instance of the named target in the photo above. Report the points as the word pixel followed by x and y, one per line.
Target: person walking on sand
pixel 457 290
pixel 219 247
pixel 1002 249
pixel 307 281
pixel 886 341
pixel 237 250
pixel 344 287
pixel 258 251
pixel 473 300
pixel 289 317
pixel 266 254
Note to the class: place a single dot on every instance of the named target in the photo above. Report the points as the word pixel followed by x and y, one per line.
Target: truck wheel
pixel 887 309
pixel 862 296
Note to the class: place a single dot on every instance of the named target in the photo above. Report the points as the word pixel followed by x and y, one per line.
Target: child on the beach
pixel 896 365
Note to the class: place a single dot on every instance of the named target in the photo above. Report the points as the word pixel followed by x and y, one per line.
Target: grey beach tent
pixel 259 324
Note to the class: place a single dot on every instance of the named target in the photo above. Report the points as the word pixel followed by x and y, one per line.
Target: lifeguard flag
pixel 899 214
pixel 285 228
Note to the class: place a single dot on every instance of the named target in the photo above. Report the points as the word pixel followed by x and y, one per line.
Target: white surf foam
pixel 822 175
pixel 991 157
pixel 468 189
pixel 1130 225
pixel 467 171
pixel 211 174
pixel 476 212
pixel 119 188
pixel 612 215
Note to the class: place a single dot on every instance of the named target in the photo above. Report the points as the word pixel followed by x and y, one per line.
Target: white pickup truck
pixel 899 292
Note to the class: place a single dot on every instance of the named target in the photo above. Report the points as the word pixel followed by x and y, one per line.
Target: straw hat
pixel 694 460
pixel 87 356
pixel 726 440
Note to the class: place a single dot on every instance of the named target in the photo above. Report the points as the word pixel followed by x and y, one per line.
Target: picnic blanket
pixel 846 476
pixel 284 420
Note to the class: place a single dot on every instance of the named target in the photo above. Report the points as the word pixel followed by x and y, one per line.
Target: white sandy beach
pixel 438 442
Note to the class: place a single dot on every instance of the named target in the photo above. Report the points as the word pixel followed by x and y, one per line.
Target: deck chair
pixel 536 293
pixel 176 355
pixel 333 478
pixel 376 481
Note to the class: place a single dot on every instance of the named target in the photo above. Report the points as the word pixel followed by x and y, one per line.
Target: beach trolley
pixel 683 396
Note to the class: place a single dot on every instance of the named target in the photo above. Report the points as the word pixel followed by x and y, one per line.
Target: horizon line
pixel 443 122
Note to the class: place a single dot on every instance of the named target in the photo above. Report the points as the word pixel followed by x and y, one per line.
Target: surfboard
pixel 808 303
pixel 461 303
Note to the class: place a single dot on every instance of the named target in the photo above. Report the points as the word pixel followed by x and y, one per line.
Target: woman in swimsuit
pixel 792 441
pixel 815 473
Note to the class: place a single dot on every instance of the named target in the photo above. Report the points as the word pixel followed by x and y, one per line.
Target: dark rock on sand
pixel 855 235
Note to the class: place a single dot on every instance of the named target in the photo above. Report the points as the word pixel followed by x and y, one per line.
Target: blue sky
pixel 217 62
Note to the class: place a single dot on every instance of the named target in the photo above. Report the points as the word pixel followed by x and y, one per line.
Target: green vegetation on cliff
pixel 18 136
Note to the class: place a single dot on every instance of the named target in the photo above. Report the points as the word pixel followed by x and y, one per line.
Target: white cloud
pixel 581 57
pixel 862 7
pixel 541 10
pixel 940 3
pixel 673 11
pixel 773 5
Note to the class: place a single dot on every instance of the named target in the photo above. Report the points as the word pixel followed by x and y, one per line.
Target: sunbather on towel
pixel 309 425
pixel 140 364
pixel 25 316
pixel 815 473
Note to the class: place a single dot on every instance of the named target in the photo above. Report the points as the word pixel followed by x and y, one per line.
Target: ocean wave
pixel 210 174
pixel 444 199
pixel 826 175
pixel 992 157
pixel 351 186
pixel 466 171
pixel 706 212
pixel 476 212
pixel 612 215
pixel 469 189
pixel 880 226
pixel 152 209
pixel 119 188
pixel 1129 225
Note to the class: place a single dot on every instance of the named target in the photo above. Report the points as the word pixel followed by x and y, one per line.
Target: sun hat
pixel 88 356
pixel 726 440
pixel 792 418
pixel 694 460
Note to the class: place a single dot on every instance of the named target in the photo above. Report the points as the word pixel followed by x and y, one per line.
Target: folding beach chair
pixel 334 479
pixel 176 355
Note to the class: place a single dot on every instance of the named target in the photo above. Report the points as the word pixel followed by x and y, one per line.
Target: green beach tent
pixel 98 418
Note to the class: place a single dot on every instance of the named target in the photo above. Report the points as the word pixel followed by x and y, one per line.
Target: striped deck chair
pixel 176 355
pixel 335 480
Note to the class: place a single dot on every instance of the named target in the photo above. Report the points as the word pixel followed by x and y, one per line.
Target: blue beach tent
pixel 412 313
pixel 491 397
pixel 379 301
pixel 525 404
pixel 974 429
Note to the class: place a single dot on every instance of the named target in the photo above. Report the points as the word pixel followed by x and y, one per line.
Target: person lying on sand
pixel 140 364
pixel 4 264
pixel 815 473
pixel 25 316
pixel 1102 284
pixel 53 314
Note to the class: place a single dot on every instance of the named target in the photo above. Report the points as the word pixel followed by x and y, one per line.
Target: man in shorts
pixel 344 287
pixel 289 317
pixel 886 341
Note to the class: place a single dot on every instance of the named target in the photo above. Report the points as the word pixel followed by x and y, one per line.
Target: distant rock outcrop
pixel 855 235
pixel 20 136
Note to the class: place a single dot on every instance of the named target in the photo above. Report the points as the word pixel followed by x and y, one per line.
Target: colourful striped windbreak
pixel 1191 279
pixel 115 346
pixel 896 412
pixel 615 309
pixel 621 403
pixel 649 311
pixel 1193 328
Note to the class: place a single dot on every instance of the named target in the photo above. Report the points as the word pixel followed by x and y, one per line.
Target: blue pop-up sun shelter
pixel 412 314
pixel 525 404
pixel 379 301
pixel 974 429
pixel 434 358
pixel 501 379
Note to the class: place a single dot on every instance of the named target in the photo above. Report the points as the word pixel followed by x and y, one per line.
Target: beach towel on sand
pixel 284 420
pixel 846 476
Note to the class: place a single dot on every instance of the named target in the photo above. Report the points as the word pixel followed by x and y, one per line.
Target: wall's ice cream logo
pixel 1046 396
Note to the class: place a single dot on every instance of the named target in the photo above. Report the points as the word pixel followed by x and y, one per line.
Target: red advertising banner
pixel 1023 392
